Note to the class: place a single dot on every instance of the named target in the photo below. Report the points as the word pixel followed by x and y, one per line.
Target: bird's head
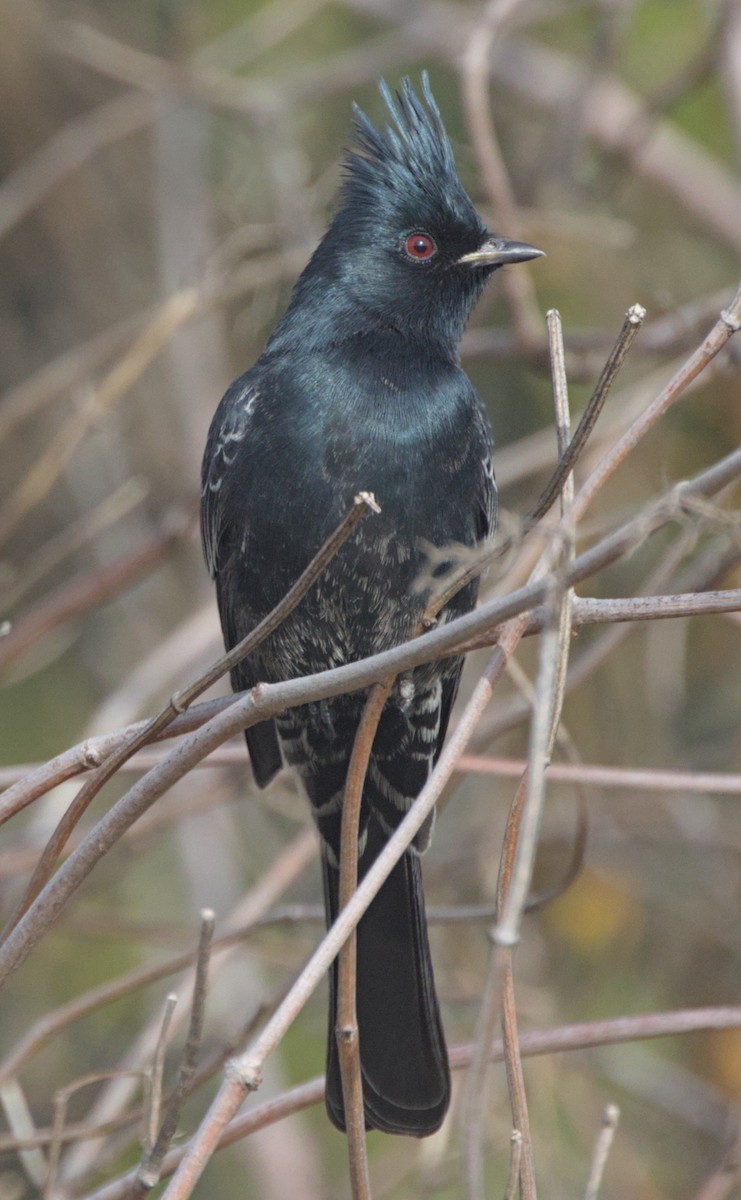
pixel 406 243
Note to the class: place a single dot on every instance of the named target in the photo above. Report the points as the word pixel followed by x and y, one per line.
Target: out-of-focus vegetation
pixel 166 169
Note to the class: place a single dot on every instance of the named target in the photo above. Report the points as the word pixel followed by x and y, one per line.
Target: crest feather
pixel 412 150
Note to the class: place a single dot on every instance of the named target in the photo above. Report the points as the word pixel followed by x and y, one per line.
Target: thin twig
pixel 516 875
pixel 569 454
pixel 281 873
pixel 631 778
pixel 61 1100
pixel 602 1149
pixel 515 1159
pixel 613 1031
pixel 568 457
pixel 268 700
pixel 158 1068
pixel 74 599
pixel 246 1072
pixel 489 1008
pixel 123 375
pixel 520 840
pixel 148 1173
pixel 346 1031
pixel 517 285
pixel 363 504
pixel 504 957
pixel 728 323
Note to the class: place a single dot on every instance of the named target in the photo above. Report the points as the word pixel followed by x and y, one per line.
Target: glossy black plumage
pixel 360 388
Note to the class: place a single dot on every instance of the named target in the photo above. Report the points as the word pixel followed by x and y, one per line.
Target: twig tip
pixel 369 500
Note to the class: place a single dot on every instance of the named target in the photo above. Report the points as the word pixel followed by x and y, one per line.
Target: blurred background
pixel 167 167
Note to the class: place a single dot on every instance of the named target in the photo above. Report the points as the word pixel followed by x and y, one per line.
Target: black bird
pixel 360 388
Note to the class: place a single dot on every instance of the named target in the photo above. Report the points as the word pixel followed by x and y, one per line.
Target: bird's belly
pixel 364 602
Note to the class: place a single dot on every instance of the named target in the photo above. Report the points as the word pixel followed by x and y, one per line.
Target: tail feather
pixel 406 1079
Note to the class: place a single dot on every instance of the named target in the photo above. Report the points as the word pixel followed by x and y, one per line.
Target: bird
pixel 360 388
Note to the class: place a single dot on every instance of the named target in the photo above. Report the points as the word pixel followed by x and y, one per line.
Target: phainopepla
pixel 360 388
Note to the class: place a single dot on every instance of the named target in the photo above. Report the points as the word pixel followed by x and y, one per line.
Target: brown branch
pixel 26 782
pixel 728 323
pixel 474 65
pixel 602 1148
pixel 568 457
pixel 570 454
pixel 246 1072
pixel 583 1036
pixel 521 835
pixel 363 504
pixel 346 1031
pixel 152 1112
pixel 648 778
pixel 281 873
pixel 515 1164
pixel 268 700
pixel 77 597
pixel 148 1173
pixel 49 465
pixel 476 1080
pixel 61 1101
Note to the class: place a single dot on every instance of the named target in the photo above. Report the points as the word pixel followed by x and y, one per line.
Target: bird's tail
pixel 404 1062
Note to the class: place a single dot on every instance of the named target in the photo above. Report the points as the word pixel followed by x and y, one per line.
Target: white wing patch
pixel 223 449
pixel 490 496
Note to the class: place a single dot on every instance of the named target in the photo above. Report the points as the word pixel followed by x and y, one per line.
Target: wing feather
pixel 229 429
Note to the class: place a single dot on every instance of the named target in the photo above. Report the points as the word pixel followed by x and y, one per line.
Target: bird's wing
pixel 486 523
pixel 487 485
pixel 229 429
pixel 488 499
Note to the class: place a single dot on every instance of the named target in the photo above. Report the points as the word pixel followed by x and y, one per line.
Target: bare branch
pixel 48 466
pixel 517 285
pixel 602 1149
pixel 515 1162
pixel 281 873
pixel 74 599
pixel 148 1173
pixel 569 455
pixel 269 699
pixel 245 1074
pixel 614 1031
pixel 363 504
pixel 158 1068
pixel 346 1031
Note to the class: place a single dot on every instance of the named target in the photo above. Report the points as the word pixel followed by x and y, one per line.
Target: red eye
pixel 420 246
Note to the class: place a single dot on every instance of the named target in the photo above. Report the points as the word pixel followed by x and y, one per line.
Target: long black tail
pixel 406 1079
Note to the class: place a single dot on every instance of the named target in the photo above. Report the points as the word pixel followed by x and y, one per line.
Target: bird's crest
pixel 412 154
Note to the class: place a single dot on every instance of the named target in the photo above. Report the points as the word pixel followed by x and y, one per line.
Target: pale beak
pixel 496 252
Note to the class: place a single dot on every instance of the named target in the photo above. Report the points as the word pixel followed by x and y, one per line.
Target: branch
pixel 148 1173
pixel 602 1149
pixel 362 504
pixel 267 700
pixel 75 598
pixel 346 1031
pixel 246 1072
pixel 584 1036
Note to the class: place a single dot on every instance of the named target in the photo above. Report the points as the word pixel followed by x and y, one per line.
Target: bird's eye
pixel 420 246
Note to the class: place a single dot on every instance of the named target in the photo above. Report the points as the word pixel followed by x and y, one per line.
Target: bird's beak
pixel 496 251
